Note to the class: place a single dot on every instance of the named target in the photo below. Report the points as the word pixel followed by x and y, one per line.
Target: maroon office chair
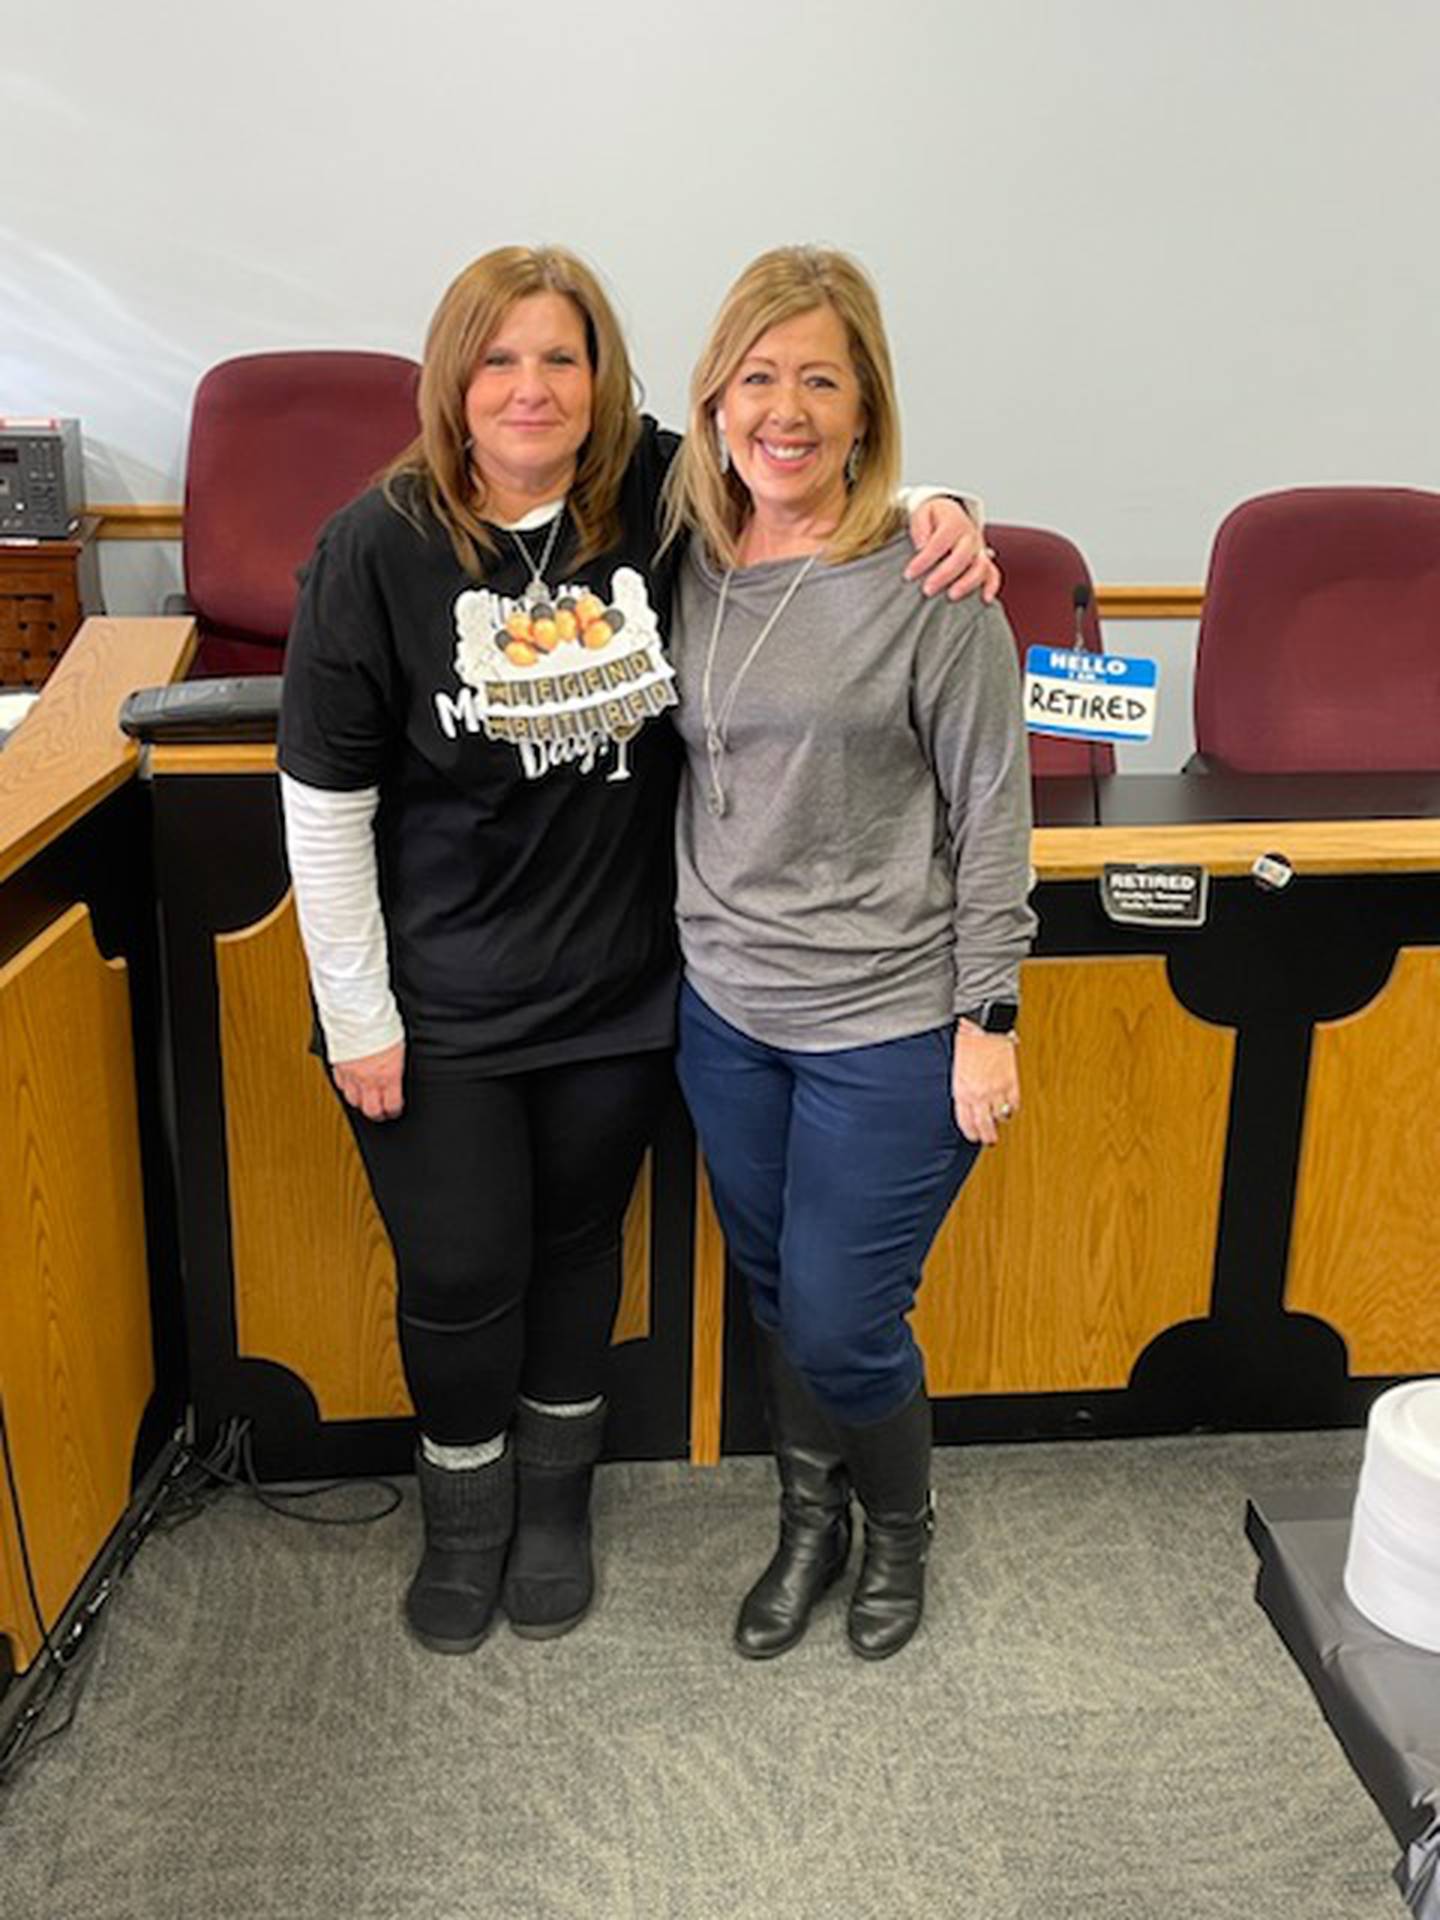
pixel 1319 647
pixel 278 442
pixel 1041 572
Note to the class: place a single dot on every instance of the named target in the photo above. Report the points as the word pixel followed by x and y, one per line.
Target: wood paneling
pixel 1365 1253
pixel 1092 1226
pixel 250 757
pixel 1149 603
pixel 126 520
pixel 632 1320
pixel 76 1365
pixel 68 752
pixel 314 1272
pixel 707 1360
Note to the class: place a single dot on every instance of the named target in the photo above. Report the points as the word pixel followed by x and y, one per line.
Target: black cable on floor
pixel 28 1739
pixel 194 1483
pixel 237 1473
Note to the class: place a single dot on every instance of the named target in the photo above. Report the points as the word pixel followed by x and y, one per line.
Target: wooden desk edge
pixel 1079 853
pixel 1232 846
pixel 69 753
pixel 251 756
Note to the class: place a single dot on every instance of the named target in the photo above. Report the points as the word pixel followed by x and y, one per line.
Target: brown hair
pixel 437 462
pixel 774 288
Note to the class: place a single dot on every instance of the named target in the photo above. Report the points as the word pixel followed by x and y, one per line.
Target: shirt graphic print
pixel 568 679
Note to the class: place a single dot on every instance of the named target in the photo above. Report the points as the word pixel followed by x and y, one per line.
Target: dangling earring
pixel 852 462
pixel 722 448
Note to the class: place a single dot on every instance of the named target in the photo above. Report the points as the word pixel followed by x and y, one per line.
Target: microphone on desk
pixel 1080 601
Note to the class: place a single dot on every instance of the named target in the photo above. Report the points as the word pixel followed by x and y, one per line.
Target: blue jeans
pixel 832 1173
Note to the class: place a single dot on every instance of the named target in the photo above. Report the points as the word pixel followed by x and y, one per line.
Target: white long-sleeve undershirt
pixel 911 499
pixel 330 841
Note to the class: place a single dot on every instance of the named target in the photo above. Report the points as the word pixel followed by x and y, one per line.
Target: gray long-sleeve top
pixel 869 875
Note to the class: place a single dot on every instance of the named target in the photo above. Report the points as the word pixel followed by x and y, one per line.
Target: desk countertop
pixel 1322 823
pixel 69 752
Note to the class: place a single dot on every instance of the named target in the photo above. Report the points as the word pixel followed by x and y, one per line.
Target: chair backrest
pixel 1319 648
pixel 279 442
pixel 1041 572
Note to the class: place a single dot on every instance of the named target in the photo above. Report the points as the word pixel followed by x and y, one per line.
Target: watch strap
pixel 992 1016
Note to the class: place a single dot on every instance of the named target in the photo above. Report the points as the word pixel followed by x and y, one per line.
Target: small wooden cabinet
pixel 47 587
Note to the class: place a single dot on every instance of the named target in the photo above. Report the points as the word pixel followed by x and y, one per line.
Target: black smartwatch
pixel 993 1016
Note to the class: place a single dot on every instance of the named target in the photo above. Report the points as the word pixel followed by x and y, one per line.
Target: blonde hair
pixel 712 502
pixel 469 314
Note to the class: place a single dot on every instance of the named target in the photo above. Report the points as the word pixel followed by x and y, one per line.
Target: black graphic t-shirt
pixel 526 769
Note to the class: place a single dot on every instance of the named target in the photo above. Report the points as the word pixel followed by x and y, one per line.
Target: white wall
pixel 1140 258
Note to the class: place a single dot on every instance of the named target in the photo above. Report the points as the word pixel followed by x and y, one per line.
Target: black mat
pixel 1380 1696
pixel 1162 799
pixel 1198 799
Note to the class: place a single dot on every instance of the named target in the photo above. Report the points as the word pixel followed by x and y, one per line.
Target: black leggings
pixel 504 1200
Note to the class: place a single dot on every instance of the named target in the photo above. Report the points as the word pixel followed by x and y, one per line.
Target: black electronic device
pixel 992 1016
pixel 219 710
pixel 42 478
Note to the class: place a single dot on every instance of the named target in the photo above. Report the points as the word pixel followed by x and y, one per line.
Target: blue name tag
pixel 1089 696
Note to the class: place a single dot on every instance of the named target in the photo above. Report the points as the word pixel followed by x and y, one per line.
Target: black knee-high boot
pixel 468 1514
pixel 550 1576
pixel 889 1464
pixel 814 1511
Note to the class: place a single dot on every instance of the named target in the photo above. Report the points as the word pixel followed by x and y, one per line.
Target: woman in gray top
pixel 853 848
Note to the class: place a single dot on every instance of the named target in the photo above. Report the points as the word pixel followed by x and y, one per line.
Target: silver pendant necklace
pixel 717 726
pixel 537 589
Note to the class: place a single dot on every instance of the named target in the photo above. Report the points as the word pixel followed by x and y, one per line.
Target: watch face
pixel 1000 1016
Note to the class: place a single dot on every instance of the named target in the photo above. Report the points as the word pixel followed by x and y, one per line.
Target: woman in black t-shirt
pixel 479 788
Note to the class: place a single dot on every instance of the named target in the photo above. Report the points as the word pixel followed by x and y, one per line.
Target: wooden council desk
pixel 91 1366
pixel 1220 1206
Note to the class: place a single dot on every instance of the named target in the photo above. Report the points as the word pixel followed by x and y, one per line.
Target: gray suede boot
pixel 469 1513
pixel 550 1575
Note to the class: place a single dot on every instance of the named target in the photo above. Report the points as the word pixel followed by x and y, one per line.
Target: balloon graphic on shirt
pixel 540 627
pixel 568 679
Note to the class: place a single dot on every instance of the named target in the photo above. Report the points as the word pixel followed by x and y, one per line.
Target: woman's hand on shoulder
pixel 950 552
pixel 375 1082
pixel 984 1082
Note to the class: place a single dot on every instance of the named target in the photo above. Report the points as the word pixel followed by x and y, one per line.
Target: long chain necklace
pixel 537 589
pixel 717 726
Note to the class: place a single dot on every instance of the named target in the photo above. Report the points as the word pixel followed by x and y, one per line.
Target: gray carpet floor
pixel 1097 1722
